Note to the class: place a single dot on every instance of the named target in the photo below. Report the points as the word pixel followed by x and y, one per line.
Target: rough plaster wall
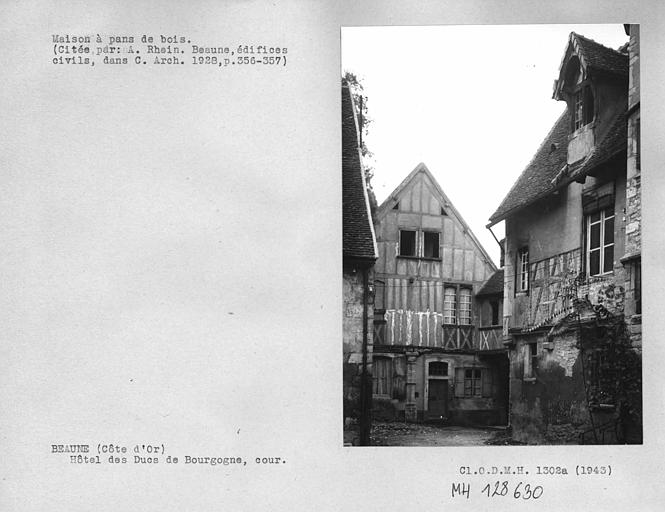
pixel 352 329
pixel 454 403
pixel 353 316
pixel 552 408
pixel 565 355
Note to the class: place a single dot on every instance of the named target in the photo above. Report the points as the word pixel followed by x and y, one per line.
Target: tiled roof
pixel 357 230
pixel 493 286
pixel 614 142
pixel 601 57
pixel 536 180
pixel 595 58
pixel 539 179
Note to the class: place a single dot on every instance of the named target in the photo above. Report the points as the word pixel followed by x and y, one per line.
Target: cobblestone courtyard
pixel 412 434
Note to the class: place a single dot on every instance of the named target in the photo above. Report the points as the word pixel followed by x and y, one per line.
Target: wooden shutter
pixel 459 382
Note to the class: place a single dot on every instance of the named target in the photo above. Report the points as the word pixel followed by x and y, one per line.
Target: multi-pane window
pixel 582 107
pixel 382 376
pixel 449 306
pixel 523 269
pixel 407 243
pixel 472 382
pixel 465 306
pixel 430 244
pixel 600 242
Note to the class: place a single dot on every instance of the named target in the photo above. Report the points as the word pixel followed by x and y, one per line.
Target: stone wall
pixel 352 325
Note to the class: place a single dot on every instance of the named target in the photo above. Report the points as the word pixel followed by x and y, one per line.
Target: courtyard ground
pixel 415 434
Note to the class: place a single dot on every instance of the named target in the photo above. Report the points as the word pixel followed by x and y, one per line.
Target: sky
pixel 471 102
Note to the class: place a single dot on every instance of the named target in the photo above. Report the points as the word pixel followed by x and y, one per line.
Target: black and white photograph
pixel 297 255
pixel 492 235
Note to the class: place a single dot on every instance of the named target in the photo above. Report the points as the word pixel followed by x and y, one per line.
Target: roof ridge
pixel 597 43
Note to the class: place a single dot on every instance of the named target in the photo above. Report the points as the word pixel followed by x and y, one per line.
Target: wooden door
pixel 437 399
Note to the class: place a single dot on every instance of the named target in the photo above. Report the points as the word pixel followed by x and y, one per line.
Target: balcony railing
pixel 426 329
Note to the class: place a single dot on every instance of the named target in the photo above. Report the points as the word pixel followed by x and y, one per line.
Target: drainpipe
pixel 364 387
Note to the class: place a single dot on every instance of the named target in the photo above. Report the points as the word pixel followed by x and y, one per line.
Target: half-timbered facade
pixel 426 363
pixel 572 306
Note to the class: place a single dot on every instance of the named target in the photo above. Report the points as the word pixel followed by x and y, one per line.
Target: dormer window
pixel 582 107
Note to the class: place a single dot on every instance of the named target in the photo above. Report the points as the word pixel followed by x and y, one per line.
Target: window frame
pixel 465 292
pixel 530 360
pixel 420 237
pixel 638 144
pixel 437 365
pixel 494 312
pixel 387 368
pixel 473 385
pixel 446 309
pixel 583 107
pixel 637 286
pixel 415 243
pixel 603 218
pixel 478 384
pixel 436 246
pixel 522 273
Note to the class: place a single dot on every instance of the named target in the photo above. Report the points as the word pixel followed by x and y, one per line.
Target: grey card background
pixel 170 267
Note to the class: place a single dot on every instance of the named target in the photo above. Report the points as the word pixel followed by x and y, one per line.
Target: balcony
pixel 426 329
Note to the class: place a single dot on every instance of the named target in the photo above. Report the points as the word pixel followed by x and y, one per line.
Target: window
pixel 638 287
pixel 430 244
pixel 382 376
pixel 407 243
pixel 637 144
pixel 600 242
pixel 582 108
pixel 379 295
pixel 530 360
pixel 495 312
pixel 523 269
pixel 450 306
pixel 465 306
pixel 472 382
pixel 438 369
pixel 423 245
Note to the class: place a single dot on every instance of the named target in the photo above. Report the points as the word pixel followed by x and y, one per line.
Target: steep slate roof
pixel 597 56
pixel 358 240
pixel 594 57
pixel 536 181
pixel 548 170
pixel 493 286
pixel 389 202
